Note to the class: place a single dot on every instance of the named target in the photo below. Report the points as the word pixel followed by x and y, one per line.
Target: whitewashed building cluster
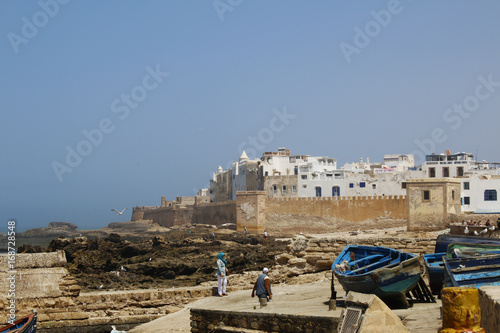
pixel 282 175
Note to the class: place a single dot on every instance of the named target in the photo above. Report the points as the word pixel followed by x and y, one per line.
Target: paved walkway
pixel 309 299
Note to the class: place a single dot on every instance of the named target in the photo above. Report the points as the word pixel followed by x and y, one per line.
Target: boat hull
pixel 434 266
pixel 26 324
pixel 472 272
pixel 393 280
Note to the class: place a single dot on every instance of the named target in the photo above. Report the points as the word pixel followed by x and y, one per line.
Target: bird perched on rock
pixel 114 330
pixel 476 233
pixel 466 230
pixel 492 228
pixel 118 212
pixel 482 232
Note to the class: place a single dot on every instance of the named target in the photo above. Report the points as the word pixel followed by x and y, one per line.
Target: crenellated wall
pixel 317 215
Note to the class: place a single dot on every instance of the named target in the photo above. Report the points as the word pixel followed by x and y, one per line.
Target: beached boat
pixel 26 324
pixel 434 266
pixel 434 263
pixel 468 250
pixel 443 241
pixel 382 271
pixel 472 272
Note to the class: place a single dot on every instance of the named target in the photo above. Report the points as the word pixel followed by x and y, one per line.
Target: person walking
pixel 222 274
pixel 262 287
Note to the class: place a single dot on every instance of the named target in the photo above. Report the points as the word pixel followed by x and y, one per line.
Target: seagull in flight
pixel 118 212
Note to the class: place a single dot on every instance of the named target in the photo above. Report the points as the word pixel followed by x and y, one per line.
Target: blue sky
pixel 153 95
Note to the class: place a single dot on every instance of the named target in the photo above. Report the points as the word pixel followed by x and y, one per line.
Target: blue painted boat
pixel 434 266
pixel 382 271
pixel 443 241
pixel 26 324
pixel 472 272
pixel 460 246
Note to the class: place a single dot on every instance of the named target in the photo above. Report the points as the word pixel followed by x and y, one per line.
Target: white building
pixel 281 174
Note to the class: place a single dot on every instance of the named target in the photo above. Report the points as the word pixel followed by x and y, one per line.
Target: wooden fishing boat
pixel 443 241
pixel 382 271
pixel 434 266
pixel 434 263
pixel 468 250
pixel 26 324
pixel 472 272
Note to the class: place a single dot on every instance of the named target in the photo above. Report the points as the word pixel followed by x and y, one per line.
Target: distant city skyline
pixel 107 105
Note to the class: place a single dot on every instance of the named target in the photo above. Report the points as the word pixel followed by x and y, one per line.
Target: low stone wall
pixel 312 254
pixel 489 302
pixel 217 321
pixel 36 275
pixel 97 311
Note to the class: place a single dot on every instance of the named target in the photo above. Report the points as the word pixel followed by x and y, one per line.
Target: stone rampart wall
pixel 320 215
pixel 170 216
pixel 215 213
pixel 346 208
pixel 217 320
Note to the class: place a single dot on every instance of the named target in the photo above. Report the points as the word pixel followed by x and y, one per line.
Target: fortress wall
pixel 327 214
pixel 138 212
pixel 215 213
pixel 345 208
pixel 170 216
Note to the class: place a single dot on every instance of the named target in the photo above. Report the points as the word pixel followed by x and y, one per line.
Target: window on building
pixel 403 185
pixel 336 191
pixel 446 172
pixel 318 191
pixel 351 185
pixel 296 170
pixel 283 189
pixel 466 200
pixel 329 174
pixel 452 195
pixel 304 186
pixel 266 173
pixel 427 195
pixel 362 184
pixel 275 189
pixel 303 176
pixel 374 186
pixel 466 186
pixel 490 195
pixel 460 171
pixel 294 189
pixel 432 172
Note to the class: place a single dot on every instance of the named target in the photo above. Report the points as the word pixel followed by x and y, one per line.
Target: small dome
pixel 243 157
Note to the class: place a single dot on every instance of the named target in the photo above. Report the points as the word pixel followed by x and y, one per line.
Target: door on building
pixel 336 191
pixel 318 191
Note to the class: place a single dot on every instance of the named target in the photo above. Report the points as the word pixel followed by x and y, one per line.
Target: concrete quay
pixel 294 308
